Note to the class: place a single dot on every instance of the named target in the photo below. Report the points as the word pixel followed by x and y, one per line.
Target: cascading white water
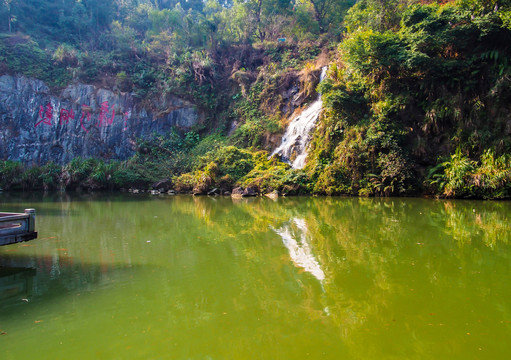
pixel 297 135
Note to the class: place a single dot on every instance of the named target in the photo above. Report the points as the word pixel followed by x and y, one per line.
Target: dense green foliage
pixel 410 87
pixel 416 99
pixel 186 47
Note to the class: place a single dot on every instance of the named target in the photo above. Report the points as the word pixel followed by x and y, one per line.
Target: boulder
pixel 249 191
pixel 163 185
pixel 273 195
pixel 200 189
pixel 237 192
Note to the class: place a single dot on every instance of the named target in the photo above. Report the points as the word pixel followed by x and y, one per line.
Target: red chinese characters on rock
pixel 46 115
pixel 65 115
pixel 86 111
pixel 104 116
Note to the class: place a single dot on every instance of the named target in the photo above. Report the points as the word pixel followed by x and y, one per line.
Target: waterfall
pixel 297 135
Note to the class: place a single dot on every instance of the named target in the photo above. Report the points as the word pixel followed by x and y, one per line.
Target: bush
pixel 126 176
pixel 459 176
pixel 184 183
pixel 11 174
pixel 492 178
pixel 51 175
pixel 123 82
pixel 230 160
pixel 458 170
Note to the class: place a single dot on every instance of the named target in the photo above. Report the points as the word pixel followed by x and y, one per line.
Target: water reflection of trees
pixel 389 264
pixel 409 269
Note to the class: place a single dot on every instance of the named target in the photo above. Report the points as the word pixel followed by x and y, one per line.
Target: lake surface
pixel 161 277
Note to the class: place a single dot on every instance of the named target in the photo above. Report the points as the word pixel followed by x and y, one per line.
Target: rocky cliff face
pixel 37 126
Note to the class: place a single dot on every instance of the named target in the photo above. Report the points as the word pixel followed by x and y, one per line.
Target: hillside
pixel 416 99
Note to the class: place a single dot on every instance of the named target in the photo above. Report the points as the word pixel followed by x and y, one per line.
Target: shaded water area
pixel 133 276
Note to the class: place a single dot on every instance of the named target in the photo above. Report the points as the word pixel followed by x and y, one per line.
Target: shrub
pixel 11 174
pixel 457 172
pixel 184 182
pixel 51 176
pixel 493 177
pixel 230 160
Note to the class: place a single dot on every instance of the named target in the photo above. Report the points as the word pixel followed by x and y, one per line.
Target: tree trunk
pixel 9 15
pixel 319 13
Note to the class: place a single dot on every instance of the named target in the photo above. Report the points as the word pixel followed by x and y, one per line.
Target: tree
pixel 321 9
pixel 10 17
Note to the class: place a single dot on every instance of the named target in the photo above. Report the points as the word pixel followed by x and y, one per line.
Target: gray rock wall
pixel 37 126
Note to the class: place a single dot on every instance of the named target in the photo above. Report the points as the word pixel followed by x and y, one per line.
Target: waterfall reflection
pixel 299 250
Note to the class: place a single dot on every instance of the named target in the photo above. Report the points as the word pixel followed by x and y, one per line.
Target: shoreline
pixel 147 193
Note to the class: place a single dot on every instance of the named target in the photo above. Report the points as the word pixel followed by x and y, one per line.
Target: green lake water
pixel 161 277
